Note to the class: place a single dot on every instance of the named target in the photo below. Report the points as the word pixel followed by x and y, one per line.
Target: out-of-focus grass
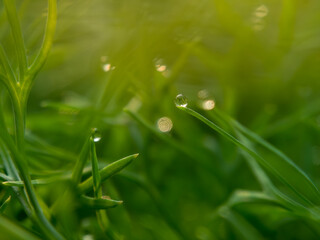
pixel 257 60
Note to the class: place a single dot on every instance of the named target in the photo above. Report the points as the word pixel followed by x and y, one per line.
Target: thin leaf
pixel 10 230
pixel 99 203
pixel 272 166
pixel 240 224
pixel 5 204
pixel 107 172
pixel 287 168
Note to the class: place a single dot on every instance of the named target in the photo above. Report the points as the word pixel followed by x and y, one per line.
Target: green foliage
pixel 83 83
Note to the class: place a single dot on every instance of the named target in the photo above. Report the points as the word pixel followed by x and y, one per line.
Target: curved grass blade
pixel 303 193
pixel 292 173
pixel 107 172
pixel 17 36
pixel 81 161
pixel 239 223
pixel 10 230
pixel 47 40
pixel 5 204
pixel 244 196
pixel 99 203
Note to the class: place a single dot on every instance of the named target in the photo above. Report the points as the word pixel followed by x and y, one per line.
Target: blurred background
pixel 258 61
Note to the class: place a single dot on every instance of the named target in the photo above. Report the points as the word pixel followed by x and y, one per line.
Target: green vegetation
pixel 159 120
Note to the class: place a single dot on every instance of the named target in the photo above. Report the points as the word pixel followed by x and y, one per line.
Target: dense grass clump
pixel 159 120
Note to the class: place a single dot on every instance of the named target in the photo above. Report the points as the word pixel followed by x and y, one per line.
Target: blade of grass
pixel 99 203
pixel 107 172
pixel 240 224
pixel 6 65
pixel 102 217
pixel 252 153
pixel 4 204
pixel 47 40
pixel 12 16
pixel 10 230
pixel 292 173
pixel 81 161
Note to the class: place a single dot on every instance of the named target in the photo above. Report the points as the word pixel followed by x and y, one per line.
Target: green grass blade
pixel 12 16
pixel 81 161
pixel 245 196
pixel 107 172
pixel 5 204
pixel 99 203
pixel 10 230
pixel 96 179
pixel 47 40
pixel 240 224
pixel 6 65
pixel 278 172
pixel 292 173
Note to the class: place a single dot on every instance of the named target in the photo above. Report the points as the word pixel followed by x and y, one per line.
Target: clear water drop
pixel 96 135
pixel 181 101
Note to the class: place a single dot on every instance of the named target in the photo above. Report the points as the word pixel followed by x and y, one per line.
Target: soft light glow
pixel 258 17
pixel 165 124
pixel 161 68
pixel 208 104
pixel 103 58
pixel 261 11
pixel 106 67
pixel 202 94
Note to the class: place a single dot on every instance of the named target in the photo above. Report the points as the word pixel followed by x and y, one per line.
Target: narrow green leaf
pixel 12 16
pixel 289 171
pixel 81 161
pixel 10 230
pixel 96 179
pixel 99 203
pixel 239 223
pixel 5 204
pixel 7 67
pixel 270 165
pixel 107 172
pixel 245 196
pixel 47 40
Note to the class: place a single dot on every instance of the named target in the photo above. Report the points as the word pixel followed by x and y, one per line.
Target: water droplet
pixel 181 101
pixel 96 135
pixel 208 104
pixel 165 124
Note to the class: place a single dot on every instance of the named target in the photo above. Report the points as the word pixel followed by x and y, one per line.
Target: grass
pixel 83 87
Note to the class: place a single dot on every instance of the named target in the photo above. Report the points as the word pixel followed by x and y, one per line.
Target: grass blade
pixel 5 204
pixel 99 203
pixel 17 35
pixel 240 224
pixel 10 230
pixel 292 174
pixel 273 167
pixel 107 172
